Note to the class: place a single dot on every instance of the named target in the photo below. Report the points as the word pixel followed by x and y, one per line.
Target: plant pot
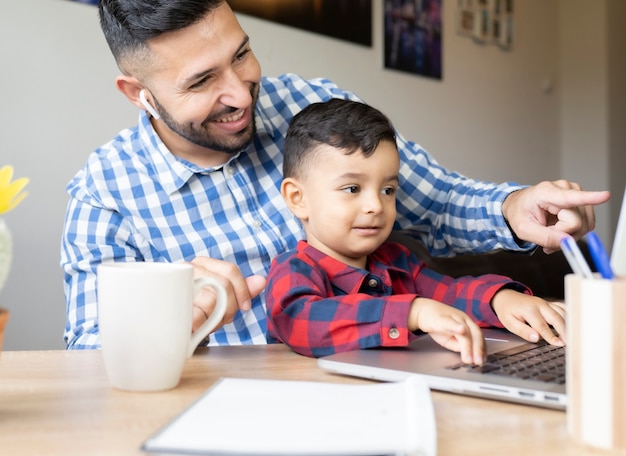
pixel 4 317
pixel 6 252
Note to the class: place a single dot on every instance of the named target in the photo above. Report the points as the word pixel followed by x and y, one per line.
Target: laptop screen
pixel 618 254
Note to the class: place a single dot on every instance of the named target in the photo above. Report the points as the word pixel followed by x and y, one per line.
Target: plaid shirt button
pixel 372 283
pixel 394 333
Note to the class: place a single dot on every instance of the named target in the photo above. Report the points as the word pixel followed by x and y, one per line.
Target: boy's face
pixel 347 203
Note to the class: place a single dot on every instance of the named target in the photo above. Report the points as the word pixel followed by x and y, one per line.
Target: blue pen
pixel 599 255
pixel 575 258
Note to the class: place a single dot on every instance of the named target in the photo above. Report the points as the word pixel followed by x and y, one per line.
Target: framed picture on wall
pixel 413 30
pixel 486 21
pixel 465 22
pixel 503 23
pixel 349 20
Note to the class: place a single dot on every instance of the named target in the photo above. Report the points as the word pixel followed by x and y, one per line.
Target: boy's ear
pixel 293 194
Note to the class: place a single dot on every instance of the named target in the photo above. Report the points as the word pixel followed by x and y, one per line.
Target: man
pixel 198 179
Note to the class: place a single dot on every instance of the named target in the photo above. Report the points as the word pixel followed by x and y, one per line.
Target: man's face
pixel 205 83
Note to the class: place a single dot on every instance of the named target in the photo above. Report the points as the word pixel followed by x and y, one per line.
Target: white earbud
pixel 149 108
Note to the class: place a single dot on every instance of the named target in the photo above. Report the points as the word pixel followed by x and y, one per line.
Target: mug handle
pixel 215 317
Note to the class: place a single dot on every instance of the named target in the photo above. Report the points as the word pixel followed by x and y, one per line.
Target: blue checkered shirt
pixel 135 201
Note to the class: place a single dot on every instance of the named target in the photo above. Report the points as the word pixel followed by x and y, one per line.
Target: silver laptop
pixel 501 378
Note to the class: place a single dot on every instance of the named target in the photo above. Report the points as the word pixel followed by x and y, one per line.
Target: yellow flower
pixel 10 195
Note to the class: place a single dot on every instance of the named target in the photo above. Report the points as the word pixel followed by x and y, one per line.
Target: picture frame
pixel 486 21
pixel 413 37
pixel 345 20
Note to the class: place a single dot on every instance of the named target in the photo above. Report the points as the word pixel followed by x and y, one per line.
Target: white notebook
pixel 279 417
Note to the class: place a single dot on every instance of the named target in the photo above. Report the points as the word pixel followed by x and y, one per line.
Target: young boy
pixel 346 287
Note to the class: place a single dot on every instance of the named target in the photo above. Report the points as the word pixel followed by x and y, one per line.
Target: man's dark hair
pixel 343 124
pixel 128 24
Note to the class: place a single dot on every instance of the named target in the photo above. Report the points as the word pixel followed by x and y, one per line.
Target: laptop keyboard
pixel 542 362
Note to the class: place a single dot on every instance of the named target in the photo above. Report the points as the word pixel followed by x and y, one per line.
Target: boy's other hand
pixel 530 317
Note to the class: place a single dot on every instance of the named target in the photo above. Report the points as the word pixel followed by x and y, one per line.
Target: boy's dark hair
pixel 343 124
pixel 128 24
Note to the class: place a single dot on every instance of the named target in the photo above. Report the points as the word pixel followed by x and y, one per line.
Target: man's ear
pixel 130 87
pixel 293 194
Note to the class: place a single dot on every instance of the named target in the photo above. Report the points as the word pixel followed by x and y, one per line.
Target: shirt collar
pixel 171 171
pixel 263 120
pixel 347 278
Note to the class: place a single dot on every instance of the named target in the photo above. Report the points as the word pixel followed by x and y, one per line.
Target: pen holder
pixel 596 361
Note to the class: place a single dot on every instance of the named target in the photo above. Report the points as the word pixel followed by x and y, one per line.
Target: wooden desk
pixel 60 403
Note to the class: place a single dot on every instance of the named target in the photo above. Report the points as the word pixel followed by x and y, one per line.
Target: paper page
pixel 277 417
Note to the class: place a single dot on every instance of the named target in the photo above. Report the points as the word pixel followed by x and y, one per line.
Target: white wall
pixel 58 103
pixel 617 105
pixel 489 118
pixel 593 101
pixel 584 93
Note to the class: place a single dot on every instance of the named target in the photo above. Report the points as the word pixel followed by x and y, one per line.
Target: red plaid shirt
pixel 318 305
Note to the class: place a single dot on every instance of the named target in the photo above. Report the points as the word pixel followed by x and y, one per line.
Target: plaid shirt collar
pixel 348 278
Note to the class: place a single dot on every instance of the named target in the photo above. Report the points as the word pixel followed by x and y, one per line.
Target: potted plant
pixel 11 195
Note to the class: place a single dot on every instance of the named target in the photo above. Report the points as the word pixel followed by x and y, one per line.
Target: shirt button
pixel 257 223
pixel 372 283
pixel 229 170
pixel 394 333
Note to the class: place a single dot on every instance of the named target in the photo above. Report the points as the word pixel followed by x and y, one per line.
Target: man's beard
pixel 230 144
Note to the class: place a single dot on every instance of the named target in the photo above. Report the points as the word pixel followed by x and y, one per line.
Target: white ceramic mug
pixel 596 367
pixel 145 319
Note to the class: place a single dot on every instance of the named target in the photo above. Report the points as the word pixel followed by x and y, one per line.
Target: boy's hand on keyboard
pixel 449 327
pixel 530 317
